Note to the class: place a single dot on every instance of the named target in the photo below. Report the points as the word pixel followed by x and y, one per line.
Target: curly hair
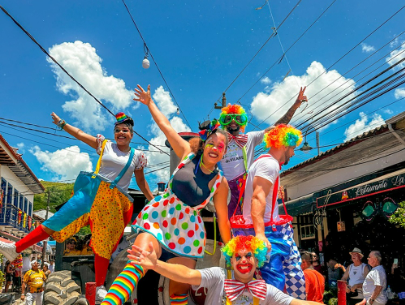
pixel 282 135
pixel 234 109
pixel 252 243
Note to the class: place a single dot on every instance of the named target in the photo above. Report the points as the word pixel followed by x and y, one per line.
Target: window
pixel 25 205
pixel 16 197
pixel 30 209
pixel 21 201
pixel 307 229
pixel 9 193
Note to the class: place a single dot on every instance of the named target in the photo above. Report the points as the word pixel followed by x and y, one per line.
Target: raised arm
pixel 261 188
pixel 148 260
pixel 74 131
pixel 221 208
pixel 143 185
pixel 180 146
pixel 286 118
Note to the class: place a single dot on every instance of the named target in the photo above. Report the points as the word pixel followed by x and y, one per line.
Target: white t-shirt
pixel 268 168
pixel 376 277
pixel 356 274
pixel 114 160
pixel 213 279
pixel 232 162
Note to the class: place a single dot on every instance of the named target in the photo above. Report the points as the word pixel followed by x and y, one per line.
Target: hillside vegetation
pixel 59 193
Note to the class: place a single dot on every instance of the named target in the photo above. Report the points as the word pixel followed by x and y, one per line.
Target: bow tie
pixel 240 140
pixel 234 288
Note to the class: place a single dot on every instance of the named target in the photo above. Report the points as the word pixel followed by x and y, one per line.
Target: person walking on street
pixel 34 279
pixel 314 281
pixel 9 275
pixel 356 274
pixel 375 284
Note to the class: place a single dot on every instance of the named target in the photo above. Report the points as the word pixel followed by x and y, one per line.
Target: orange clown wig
pixel 282 135
pixel 249 243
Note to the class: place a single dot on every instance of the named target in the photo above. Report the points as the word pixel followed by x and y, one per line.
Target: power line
pixel 154 61
pixel 329 66
pixel 70 76
pixel 281 57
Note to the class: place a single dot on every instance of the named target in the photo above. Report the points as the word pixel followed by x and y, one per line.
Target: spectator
pixel 51 266
pixel 315 262
pixel 356 273
pixel 375 284
pixel 9 275
pixel 335 272
pixel 17 279
pixel 46 270
pixel 34 279
pixel 71 248
pixel 314 281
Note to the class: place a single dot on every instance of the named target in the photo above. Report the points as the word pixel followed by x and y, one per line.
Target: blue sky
pixel 200 47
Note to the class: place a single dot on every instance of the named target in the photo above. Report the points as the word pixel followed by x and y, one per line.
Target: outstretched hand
pixel 142 95
pixel 146 259
pixel 55 118
pixel 301 97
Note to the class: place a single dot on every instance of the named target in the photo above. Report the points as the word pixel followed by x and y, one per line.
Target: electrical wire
pixel 326 70
pixel 154 61
pixel 70 76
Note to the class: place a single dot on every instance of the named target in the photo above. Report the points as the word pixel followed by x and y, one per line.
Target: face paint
pixel 220 147
pixel 244 266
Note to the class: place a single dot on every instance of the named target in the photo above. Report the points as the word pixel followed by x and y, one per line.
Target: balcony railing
pixel 9 219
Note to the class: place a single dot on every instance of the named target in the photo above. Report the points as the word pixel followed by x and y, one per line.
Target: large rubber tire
pixel 60 289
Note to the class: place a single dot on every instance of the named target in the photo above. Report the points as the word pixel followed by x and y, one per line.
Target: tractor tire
pixel 60 289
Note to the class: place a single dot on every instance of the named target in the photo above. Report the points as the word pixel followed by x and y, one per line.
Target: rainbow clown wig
pixel 282 135
pixel 250 243
pixel 230 112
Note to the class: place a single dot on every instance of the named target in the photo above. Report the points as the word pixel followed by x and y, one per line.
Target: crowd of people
pixel 260 249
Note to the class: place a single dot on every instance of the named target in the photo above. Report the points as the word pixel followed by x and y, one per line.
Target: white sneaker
pixel 101 292
pixel 8 250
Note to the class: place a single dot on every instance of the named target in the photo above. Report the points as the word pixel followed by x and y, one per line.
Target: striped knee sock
pixel 126 282
pixel 179 299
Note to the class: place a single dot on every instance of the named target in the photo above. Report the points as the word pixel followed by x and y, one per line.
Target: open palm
pixel 146 259
pixel 142 95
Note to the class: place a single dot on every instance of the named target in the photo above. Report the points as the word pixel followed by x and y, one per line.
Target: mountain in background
pixel 59 193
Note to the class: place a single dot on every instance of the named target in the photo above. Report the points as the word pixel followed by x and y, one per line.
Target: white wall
pixel 345 174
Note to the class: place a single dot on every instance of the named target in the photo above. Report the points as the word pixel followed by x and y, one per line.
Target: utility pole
pixel 223 102
pixel 45 243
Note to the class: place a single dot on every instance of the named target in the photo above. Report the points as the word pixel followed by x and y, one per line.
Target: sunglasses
pixel 227 119
pixel 117 130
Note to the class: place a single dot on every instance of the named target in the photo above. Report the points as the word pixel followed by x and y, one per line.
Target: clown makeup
pixel 244 262
pixel 220 146
pixel 248 256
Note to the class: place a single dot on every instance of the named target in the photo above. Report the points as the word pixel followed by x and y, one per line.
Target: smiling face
pixel 244 265
pixel 214 148
pixel 122 135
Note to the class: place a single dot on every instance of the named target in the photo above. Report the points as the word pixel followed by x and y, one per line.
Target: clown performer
pixel 171 223
pixel 240 153
pixel 94 195
pixel 243 254
pixel 260 212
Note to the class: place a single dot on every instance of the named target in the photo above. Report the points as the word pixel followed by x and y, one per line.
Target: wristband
pixel 61 124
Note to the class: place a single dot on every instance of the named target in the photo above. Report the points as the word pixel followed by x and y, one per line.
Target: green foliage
pixel 329 294
pixel 59 193
pixel 398 218
pixel 84 231
pixel 333 301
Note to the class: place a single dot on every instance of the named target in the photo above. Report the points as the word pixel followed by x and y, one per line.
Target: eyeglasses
pixel 117 130
pixel 227 119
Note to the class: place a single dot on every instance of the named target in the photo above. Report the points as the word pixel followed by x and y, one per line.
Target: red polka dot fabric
pixel 177 226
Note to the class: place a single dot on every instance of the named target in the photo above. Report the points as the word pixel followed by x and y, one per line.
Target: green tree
pixel 398 218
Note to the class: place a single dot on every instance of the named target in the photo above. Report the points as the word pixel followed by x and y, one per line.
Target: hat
pixel 123 118
pixel 358 251
pixel 34 262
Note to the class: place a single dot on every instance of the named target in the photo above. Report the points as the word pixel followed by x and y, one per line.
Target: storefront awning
pixel 298 206
pixel 388 182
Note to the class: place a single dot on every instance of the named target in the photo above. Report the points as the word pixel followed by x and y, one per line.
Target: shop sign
pixel 362 190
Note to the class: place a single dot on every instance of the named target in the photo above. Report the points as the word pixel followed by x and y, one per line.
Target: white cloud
pixel 396 56
pixel 331 83
pixel 82 62
pixel 21 146
pixel 362 125
pixel 365 48
pixel 65 163
pixel 399 93
pixel 168 108
pixel 265 80
pixel 388 111
pixel 394 43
